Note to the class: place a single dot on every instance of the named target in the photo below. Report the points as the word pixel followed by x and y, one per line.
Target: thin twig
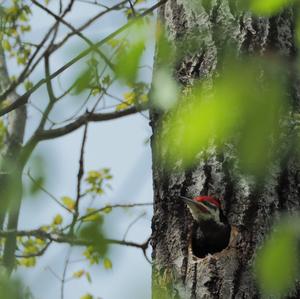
pixel 47 192
pixel 79 179
pixel 63 280
pixel 131 224
pixel 132 8
pixel 24 98
pixel 113 207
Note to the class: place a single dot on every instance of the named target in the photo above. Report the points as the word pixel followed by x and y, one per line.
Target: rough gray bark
pixel 250 207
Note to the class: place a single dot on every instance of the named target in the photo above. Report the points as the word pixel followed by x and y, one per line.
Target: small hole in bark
pixel 209 238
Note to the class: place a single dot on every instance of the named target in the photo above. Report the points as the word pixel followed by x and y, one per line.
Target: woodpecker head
pixel 204 208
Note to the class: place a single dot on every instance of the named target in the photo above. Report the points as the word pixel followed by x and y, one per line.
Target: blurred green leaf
pixel 83 81
pixel 268 7
pixel 245 110
pixel 11 288
pixel 129 57
pixel 165 50
pixel 107 263
pixel 88 277
pixel 128 62
pixel 107 209
pixel 95 216
pixel 78 274
pixel 93 233
pixel 37 175
pixel 277 263
pixel 68 202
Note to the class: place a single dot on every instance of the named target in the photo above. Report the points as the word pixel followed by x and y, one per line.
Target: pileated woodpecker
pixel 211 231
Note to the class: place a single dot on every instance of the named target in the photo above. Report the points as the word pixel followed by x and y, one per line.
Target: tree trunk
pixel 250 207
pixel 11 168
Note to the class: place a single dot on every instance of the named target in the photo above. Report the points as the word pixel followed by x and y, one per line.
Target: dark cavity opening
pixel 209 237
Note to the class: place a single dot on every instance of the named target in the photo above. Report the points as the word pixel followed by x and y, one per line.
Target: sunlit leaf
pixel 277 263
pixel 239 109
pixel 128 62
pixel 6 45
pixel 128 59
pixel 95 216
pixel 107 263
pixel 27 262
pixel 107 209
pixel 68 202
pixel 78 274
pixel 57 219
pixel 268 7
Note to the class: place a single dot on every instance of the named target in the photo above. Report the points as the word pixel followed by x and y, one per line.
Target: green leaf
pixel 27 262
pixel 83 81
pixel 87 296
pixel 128 62
pixel 28 85
pixel 128 59
pixel 277 263
pixel 88 277
pixel 57 219
pixel 6 45
pixel 107 209
pixel 93 217
pixel 268 7
pixel 10 288
pixel 68 202
pixel 93 232
pixel 37 171
pixel 78 274
pixel 107 263
pixel 238 108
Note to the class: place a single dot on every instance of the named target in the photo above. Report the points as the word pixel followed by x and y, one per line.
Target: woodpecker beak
pixel 194 205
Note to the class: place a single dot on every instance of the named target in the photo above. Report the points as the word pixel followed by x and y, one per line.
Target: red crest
pixel 208 198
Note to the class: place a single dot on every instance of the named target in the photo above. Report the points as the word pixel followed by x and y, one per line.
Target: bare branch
pixel 47 192
pixel 24 98
pixel 89 42
pixel 113 207
pixel 90 21
pixel 87 117
pixel 79 179
pixel 131 224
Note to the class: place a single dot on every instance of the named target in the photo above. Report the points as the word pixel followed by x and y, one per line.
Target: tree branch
pixel 66 238
pixel 24 98
pixel 87 117
pixel 89 42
